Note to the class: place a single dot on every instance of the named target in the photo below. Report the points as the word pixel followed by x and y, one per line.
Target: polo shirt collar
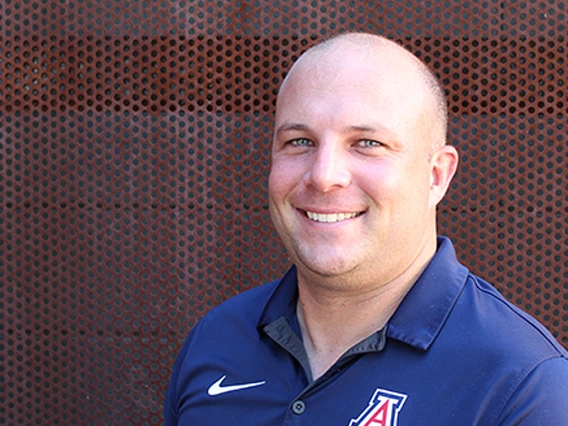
pixel 425 308
pixel 420 316
pixel 282 301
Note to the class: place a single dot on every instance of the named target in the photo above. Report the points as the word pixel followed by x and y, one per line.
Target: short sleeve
pixel 541 399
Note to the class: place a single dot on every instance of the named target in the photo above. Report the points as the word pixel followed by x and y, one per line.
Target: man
pixel 377 323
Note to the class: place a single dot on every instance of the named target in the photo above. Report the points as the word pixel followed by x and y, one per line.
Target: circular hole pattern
pixel 134 154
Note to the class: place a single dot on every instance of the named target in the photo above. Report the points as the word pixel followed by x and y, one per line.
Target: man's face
pixel 350 177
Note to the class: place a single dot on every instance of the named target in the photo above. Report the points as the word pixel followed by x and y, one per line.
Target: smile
pixel 331 217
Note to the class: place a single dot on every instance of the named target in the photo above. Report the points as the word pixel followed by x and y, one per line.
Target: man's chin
pixel 326 266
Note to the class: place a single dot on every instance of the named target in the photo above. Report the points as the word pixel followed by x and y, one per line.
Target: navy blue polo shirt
pixel 454 353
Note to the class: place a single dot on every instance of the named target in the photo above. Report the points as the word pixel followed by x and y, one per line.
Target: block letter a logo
pixel 383 409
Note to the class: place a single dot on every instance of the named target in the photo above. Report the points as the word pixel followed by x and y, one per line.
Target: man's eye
pixel 301 142
pixel 369 143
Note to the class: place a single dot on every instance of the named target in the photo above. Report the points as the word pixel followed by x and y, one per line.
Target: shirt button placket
pixel 298 407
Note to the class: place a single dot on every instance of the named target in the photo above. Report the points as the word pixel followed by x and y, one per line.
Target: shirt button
pixel 298 407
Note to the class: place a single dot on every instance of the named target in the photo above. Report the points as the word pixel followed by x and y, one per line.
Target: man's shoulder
pixel 248 304
pixel 229 324
pixel 504 356
pixel 497 325
pixel 527 365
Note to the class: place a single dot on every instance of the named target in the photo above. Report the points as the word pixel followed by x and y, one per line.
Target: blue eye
pixel 369 143
pixel 301 142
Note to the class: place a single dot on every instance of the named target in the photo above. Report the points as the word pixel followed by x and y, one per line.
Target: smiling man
pixel 376 323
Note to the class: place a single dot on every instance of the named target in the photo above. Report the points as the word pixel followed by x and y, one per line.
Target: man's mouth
pixel 331 217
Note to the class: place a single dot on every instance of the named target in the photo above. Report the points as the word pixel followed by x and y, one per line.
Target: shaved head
pixel 359 142
pixel 378 46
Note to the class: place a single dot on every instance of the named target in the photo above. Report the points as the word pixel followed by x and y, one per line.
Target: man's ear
pixel 444 164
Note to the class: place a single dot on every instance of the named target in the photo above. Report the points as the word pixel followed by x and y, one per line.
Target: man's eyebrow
pixel 360 129
pixel 385 132
pixel 367 129
pixel 292 126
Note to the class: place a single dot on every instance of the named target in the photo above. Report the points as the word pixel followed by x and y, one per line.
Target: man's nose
pixel 329 168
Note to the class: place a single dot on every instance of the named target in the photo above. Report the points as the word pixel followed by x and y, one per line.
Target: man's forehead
pixel 350 81
pixel 349 64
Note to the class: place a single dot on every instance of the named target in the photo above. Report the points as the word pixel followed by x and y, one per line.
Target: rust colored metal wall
pixel 133 162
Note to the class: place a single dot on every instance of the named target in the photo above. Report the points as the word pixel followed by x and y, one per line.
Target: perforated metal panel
pixel 134 144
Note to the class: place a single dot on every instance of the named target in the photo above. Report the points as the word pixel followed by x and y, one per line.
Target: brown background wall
pixel 134 141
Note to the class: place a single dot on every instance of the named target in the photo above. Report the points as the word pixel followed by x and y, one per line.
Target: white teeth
pixel 331 217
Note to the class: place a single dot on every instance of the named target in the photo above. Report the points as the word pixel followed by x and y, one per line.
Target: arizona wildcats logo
pixel 383 409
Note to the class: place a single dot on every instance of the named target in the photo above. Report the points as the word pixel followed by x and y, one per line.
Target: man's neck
pixel 330 328
pixel 332 322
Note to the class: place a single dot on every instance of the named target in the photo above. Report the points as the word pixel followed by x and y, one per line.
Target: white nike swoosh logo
pixel 217 389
